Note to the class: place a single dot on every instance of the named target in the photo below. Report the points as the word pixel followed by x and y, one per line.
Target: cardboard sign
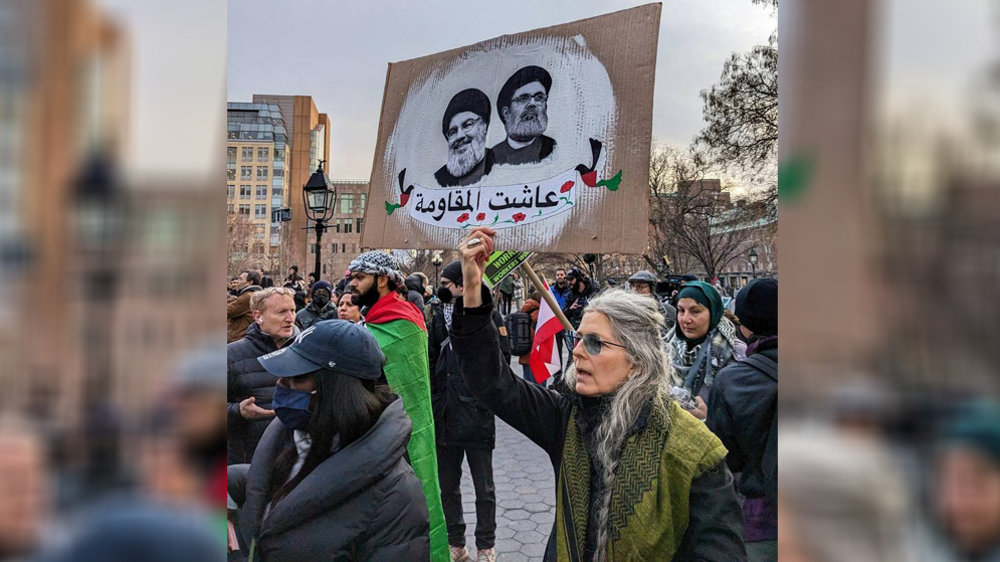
pixel 502 264
pixel 544 134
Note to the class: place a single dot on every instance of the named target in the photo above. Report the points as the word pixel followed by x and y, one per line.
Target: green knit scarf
pixel 651 491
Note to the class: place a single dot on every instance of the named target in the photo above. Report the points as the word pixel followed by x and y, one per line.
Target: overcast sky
pixel 337 52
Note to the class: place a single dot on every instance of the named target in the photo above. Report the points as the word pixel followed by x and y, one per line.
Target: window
pixel 260 211
pixel 231 173
pixel 361 207
pixel 245 210
pixel 343 247
pixel 258 248
pixel 229 207
pixel 246 172
pixel 230 191
pixel 335 225
pixel 359 226
pixel 244 192
pixel 333 248
pixel 247 155
pixel 261 173
pixel 262 154
pixel 261 192
pixel 347 203
pixel 347 226
pixel 231 154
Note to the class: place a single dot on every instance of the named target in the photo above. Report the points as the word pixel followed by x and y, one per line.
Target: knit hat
pixel 977 426
pixel 453 272
pixel 321 284
pixel 471 100
pixel 757 307
pixel 705 295
pixel 375 262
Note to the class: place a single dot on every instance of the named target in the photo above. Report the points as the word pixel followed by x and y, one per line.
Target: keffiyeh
pixel 377 263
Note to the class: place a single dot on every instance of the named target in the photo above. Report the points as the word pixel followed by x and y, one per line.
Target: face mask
pixel 444 294
pixel 321 299
pixel 292 407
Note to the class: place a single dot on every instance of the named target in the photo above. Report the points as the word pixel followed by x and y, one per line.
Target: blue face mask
pixel 292 407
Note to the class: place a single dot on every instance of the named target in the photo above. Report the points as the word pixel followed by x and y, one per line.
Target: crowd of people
pixel 353 404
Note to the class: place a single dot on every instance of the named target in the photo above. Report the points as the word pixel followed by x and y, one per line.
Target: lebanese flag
pixel 544 358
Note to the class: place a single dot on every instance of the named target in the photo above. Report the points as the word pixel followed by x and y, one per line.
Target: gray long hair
pixel 635 321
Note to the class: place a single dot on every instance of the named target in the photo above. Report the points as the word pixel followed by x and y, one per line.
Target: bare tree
pixel 243 250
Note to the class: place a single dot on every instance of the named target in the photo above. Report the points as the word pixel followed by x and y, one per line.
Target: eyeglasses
pixel 465 126
pixel 591 342
pixel 523 99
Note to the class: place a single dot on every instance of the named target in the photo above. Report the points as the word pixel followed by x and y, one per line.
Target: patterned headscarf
pixel 377 263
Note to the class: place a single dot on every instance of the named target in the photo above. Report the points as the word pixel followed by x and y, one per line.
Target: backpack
pixel 519 332
pixel 769 463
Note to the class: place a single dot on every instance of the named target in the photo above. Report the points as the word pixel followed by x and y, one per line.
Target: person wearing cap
pixel 330 479
pixel 464 126
pixel 637 478
pixel 320 307
pixel 399 328
pixel 742 412
pixel 644 283
pixel 964 495
pixel 703 342
pixel 523 108
pixel 249 388
pixel 465 428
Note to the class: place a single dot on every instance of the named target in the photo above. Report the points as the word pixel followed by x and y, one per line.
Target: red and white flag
pixel 544 358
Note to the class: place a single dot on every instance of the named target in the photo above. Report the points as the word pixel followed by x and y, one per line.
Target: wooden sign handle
pixel 547 295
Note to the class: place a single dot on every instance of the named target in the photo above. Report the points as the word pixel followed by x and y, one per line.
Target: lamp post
pixel 319 201
pixel 753 261
pixel 436 261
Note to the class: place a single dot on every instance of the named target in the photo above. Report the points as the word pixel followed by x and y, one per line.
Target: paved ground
pixel 526 496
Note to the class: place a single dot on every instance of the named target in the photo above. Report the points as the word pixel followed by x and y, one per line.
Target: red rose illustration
pixel 519 217
pixel 464 217
pixel 567 186
pixel 481 217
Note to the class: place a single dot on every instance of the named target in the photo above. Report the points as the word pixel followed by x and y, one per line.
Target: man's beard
pixel 523 131
pixel 369 298
pixel 461 163
pixel 561 283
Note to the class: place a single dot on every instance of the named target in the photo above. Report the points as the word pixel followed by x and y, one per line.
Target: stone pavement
pixel 526 498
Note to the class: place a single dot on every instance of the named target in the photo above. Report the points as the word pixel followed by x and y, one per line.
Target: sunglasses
pixel 591 342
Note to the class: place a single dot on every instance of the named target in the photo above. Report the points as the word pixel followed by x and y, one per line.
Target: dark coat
pixel 576 316
pixel 362 503
pixel 715 523
pixel 535 152
pixel 247 378
pixel 741 407
pixel 459 419
pixel 309 315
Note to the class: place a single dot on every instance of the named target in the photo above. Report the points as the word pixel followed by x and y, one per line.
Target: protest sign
pixel 545 134
pixel 502 264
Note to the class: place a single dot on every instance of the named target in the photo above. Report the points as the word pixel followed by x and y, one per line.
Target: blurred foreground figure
pixel 24 491
pixel 839 498
pixel 965 492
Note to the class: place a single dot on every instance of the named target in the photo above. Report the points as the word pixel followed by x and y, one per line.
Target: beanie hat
pixel 321 285
pixel 757 307
pixel 453 272
pixel 977 426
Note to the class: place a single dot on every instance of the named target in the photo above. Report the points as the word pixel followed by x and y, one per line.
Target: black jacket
pixel 576 316
pixel 741 408
pixel 459 419
pixel 715 525
pixel 363 503
pixel 310 315
pixel 247 378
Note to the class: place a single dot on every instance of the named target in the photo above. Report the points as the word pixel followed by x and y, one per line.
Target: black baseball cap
pixel 337 345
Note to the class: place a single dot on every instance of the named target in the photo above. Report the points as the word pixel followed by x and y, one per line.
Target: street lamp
pixel 436 261
pixel 319 201
pixel 753 261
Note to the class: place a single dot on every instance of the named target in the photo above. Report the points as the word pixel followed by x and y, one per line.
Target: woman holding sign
pixel 637 477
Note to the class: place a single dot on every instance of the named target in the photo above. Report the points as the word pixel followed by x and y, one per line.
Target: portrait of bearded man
pixel 464 126
pixel 523 108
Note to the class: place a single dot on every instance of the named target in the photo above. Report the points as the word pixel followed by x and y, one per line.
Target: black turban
pixel 467 100
pixel 526 75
